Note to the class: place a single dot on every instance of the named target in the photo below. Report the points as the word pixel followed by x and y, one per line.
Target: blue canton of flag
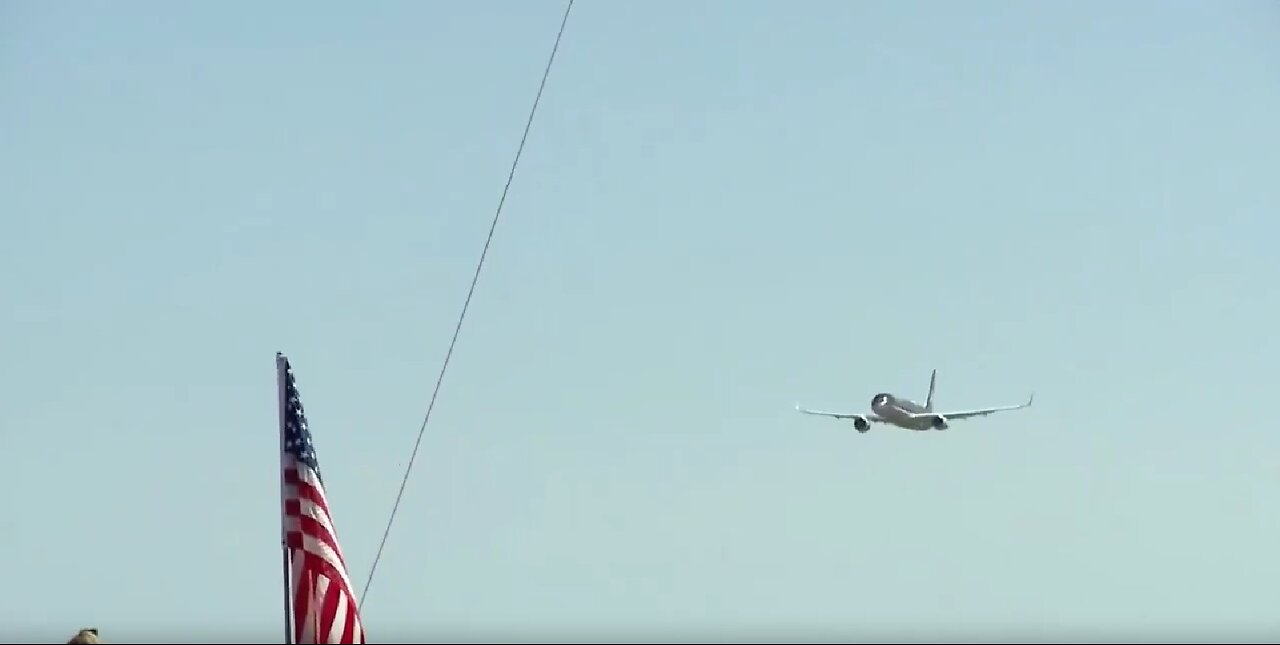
pixel 297 436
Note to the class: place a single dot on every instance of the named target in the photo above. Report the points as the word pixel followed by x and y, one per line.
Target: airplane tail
pixel 933 381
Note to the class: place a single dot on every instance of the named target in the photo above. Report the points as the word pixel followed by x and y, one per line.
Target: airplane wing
pixel 981 412
pixel 840 415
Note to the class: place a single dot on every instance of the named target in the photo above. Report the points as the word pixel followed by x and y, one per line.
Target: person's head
pixel 89 635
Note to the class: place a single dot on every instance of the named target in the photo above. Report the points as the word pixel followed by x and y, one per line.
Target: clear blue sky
pixel 725 209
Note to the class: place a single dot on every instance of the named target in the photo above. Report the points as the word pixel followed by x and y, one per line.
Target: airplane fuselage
pixel 898 411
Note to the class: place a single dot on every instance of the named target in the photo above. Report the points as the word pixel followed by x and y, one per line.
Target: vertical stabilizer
pixel 933 381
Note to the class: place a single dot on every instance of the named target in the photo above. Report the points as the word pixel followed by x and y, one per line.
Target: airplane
pixel 907 414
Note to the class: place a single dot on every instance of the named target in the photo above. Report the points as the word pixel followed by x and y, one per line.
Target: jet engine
pixel 861 425
pixel 939 422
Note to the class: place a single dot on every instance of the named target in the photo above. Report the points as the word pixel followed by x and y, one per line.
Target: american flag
pixel 325 609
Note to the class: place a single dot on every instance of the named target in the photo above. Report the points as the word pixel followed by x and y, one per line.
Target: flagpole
pixel 281 375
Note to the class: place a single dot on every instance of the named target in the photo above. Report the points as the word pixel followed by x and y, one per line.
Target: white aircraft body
pixel 904 413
